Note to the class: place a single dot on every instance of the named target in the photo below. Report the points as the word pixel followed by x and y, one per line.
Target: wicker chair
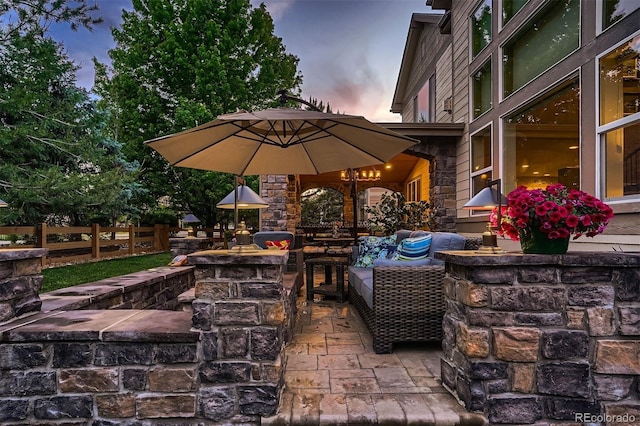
pixel 408 304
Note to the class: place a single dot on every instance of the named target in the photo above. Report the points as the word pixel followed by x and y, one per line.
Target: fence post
pixel 95 240
pixel 132 239
pixel 165 237
pixel 41 240
pixel 157 244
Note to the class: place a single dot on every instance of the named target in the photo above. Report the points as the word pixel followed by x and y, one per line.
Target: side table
pixel 327 288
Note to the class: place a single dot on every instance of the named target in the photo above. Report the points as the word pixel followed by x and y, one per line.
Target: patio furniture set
pixel 399 300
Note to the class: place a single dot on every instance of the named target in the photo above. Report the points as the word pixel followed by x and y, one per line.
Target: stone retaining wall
pixel 156 288
pixel 542 339
pixel 220 364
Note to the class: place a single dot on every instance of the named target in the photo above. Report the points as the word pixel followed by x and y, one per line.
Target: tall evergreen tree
pixel 179 64
pixel 56 165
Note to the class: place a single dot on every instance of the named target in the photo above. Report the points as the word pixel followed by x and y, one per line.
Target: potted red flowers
pixel 544 219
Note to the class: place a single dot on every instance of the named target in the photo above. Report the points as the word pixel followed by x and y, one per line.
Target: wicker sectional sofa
pixel 402 302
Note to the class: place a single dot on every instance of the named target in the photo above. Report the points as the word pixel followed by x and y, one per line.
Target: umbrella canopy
pixel 282 141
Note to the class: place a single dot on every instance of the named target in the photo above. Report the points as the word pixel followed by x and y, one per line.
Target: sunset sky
pixel 349 50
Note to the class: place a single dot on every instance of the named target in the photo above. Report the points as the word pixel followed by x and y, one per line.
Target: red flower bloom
pixel 556 211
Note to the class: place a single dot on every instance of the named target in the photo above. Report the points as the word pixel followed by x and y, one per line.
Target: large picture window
pixel 481 170
pixel 542 141
pixel 548 38
pixel 481 27
pixel 482 90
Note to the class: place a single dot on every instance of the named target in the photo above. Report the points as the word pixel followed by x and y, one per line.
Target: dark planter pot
pixel 537 242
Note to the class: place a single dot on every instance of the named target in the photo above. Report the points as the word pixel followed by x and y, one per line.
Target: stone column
pixel 244 321
pixel 543 338
pixel 186 246
pixel 20 281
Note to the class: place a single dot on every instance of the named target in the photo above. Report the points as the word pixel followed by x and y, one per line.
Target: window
pixel 621 156
pixel 547 39
pixel 620 82
pixel 615 10
pixel 481 27
pixel 413 190
pixel 510 8
pixel 482 90
pixel 480 160
pixel 619 129
pixel 425 102
pixel 542 141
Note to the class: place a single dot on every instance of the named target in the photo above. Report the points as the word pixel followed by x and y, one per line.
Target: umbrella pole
pixel 354 200
pixel 235 203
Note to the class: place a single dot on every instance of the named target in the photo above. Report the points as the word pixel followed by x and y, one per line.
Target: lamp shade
pixel 486 199
pixel 3 204
pixel 190 218
pixel 247 199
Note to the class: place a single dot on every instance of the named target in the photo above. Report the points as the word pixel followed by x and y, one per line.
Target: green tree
pixel 321 205
pixel 56 165
pixel 21 17
pixel 180 64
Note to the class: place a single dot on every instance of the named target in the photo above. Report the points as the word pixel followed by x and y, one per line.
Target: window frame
pixel 471 20
pixel 547 91
pixel 501 7
pixel 471 88
pixel 602 129
pixel 414 185
pixel 600 15
pixel 479 172
pixel 542 10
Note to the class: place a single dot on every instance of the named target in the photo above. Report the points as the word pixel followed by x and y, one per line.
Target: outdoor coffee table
pixel 328 288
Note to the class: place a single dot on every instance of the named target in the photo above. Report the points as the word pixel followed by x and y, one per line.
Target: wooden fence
pixel 73 244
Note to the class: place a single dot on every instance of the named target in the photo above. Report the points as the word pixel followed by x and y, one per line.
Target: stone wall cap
pixel 582 258
pixel 228 257
pixel 105 325
pixel 22 253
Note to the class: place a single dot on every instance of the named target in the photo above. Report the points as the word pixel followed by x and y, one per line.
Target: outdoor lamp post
pixel 487 200
pixel 190 219
pixel 242 197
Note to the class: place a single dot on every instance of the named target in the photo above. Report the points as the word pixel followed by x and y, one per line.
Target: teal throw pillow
pixel 413 248
pixel 371 248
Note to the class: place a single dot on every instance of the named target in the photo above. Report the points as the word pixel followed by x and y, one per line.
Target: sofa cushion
pixel 260 238
pixel 391 262
pixel 371 248
pixel 279 245
pixel 357 276
pixel 442 241
pixel 413 248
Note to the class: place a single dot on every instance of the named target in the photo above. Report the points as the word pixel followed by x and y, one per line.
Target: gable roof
pixel 418 21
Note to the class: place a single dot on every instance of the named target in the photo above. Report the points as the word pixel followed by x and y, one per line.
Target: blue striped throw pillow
pixel 413 248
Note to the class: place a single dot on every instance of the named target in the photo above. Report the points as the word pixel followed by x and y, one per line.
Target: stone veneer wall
pixel 539 338
pixel 20 281
pixel 220 364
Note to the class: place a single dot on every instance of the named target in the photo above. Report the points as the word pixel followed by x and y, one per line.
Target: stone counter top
pixel 471 258
pixel 231 257
pixel 9 254
pixel 103 325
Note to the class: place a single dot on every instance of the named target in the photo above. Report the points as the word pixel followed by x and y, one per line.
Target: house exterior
pixel 548 91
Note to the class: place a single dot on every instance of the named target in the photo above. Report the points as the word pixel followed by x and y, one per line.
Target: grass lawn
pixel 67 276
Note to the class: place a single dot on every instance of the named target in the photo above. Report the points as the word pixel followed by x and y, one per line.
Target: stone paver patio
pixel 333 376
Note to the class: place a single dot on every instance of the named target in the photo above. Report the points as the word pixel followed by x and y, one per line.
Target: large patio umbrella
pixel 279 141
pixel 282 141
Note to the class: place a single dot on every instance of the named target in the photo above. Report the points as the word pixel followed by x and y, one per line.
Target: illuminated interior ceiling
pixel 398 172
